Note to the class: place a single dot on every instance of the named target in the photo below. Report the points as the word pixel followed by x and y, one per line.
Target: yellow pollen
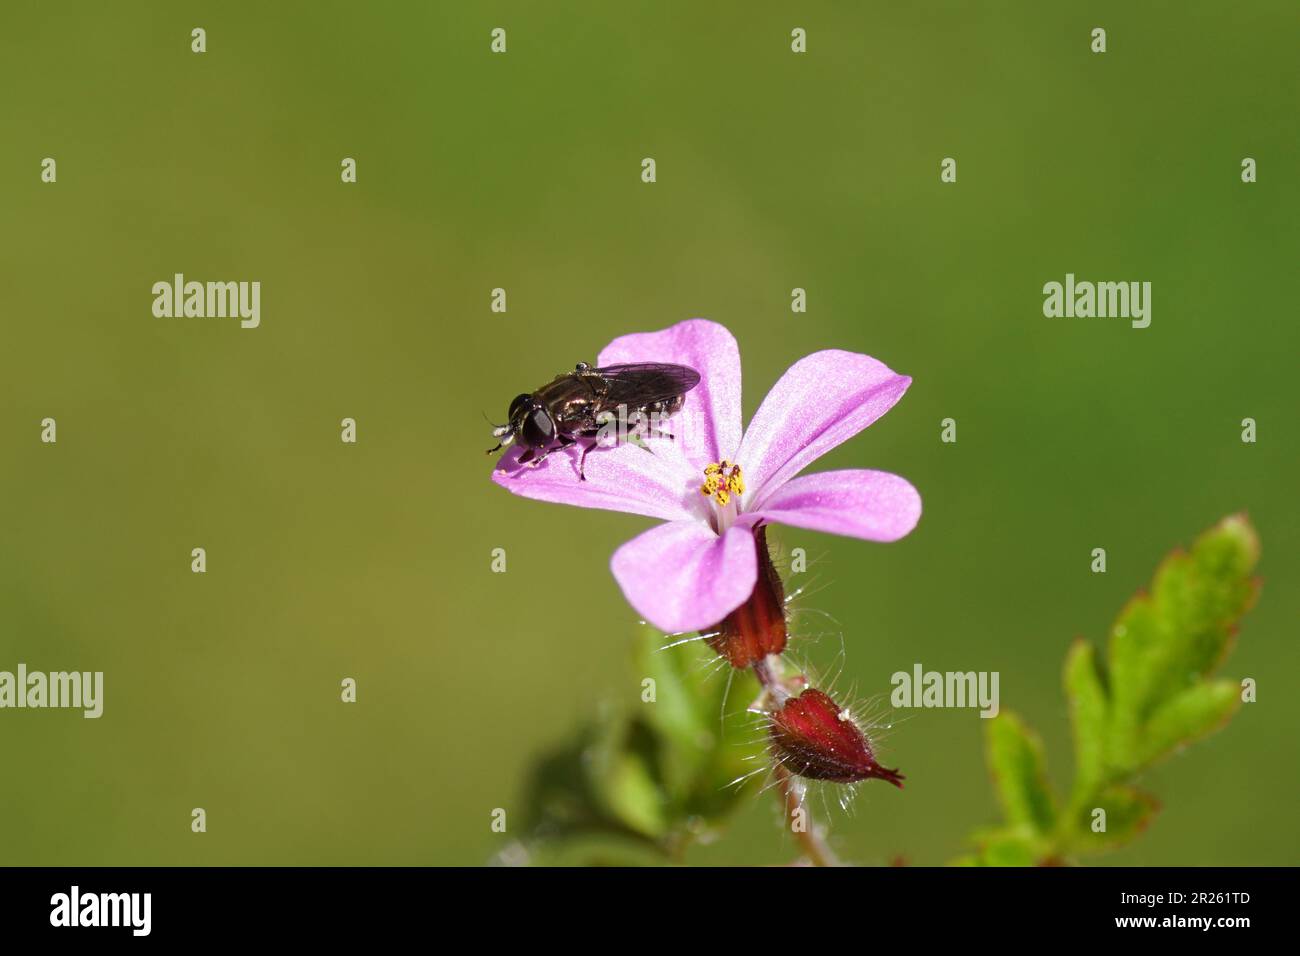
pixel 722 480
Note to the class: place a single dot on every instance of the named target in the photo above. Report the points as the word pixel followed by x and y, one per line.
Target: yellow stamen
pixel 722 480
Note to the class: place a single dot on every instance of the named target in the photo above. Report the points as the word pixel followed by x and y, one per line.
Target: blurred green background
pixel 775 170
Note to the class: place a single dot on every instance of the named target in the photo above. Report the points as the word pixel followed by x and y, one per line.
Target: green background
pixel 775 170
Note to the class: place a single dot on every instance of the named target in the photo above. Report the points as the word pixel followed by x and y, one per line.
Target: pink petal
pixel 822 400
pixel 708 426
pixel 682 576
pixel 659 484
pixel 874 505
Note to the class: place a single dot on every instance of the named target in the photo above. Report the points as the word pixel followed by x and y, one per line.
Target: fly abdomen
pixel 666 407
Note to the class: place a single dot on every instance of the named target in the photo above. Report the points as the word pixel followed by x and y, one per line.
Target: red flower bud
pixel 756 628
pixel 814 738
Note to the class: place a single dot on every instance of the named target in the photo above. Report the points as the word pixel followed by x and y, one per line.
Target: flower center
pixel 722 479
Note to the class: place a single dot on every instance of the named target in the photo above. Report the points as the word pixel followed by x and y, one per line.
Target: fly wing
pixel 643 383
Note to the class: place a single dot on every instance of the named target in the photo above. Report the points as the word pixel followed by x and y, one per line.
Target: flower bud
pixel 756 628
pixel 814 738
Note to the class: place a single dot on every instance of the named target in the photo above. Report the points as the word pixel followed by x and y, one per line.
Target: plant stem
pixel 809 837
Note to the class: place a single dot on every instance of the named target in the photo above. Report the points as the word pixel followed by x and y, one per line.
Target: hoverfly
pixel 578 405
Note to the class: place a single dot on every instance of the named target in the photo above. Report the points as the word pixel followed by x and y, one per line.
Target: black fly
pixel 580 405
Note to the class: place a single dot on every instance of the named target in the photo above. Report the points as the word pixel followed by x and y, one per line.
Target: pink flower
pixel 712 485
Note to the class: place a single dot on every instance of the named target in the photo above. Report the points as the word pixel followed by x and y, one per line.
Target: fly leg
pixel 592 434
pixel 533 459
pixel 527 458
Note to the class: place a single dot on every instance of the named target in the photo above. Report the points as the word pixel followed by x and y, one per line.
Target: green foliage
pixel 645 779
pixel 1016 762
pixel 1152 695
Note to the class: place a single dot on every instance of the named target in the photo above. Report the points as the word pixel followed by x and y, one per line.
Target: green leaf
pixel 1166 641
pixel 622 773
pixel 1088 717
pixel 676 712
pixel 1149 696
pixel 1007 846
pixel 1128 813
pixel 708 739
pixel 1194 713
pixel 1016 761
pixel 1007 853
pixel 659 769
pixel 566 794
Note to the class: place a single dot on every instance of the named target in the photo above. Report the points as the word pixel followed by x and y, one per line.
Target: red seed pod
pixel 756 628
pixel 814 738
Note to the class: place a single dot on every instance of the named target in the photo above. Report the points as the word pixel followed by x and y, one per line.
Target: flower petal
pixel 681 576
pixel 874 505
pixel 822 400
pixel 658 483
pixel 708 427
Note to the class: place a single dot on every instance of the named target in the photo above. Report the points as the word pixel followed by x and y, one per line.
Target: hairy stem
pixel 809 836
pixel 769 673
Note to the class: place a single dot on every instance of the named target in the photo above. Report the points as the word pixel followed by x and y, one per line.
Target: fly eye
pixel 538 429
pixel 517 406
